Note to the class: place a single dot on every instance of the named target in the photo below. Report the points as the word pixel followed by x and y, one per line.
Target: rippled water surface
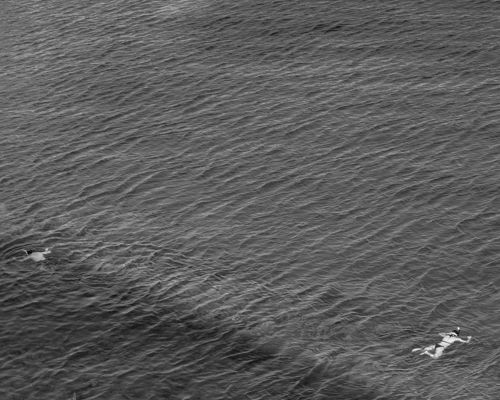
pixel 249 199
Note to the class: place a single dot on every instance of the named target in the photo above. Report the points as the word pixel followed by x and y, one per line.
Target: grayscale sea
pixel 249 199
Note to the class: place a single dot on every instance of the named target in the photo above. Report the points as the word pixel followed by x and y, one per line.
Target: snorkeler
pixel 448 339
pixel 37 255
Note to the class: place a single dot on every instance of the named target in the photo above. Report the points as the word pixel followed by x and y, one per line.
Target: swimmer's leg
pixel 428 348
pixel 430 354
pixel 438 353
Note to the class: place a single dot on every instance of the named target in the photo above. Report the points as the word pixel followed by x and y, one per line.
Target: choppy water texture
pixel 249 199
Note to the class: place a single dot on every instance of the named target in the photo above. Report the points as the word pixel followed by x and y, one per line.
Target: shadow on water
pixel 87 329
pixel 104 332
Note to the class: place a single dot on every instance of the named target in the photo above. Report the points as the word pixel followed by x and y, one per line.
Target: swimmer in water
pixel 37 255
pixel 448 339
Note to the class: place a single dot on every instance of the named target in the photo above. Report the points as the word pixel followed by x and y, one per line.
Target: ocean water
pixel 249 199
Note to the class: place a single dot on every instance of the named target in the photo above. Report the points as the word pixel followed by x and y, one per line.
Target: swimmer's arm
pixel 443 334
pixel 464 341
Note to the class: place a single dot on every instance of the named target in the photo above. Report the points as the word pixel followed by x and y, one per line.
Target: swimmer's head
pixel 456 331
pixel 28 252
